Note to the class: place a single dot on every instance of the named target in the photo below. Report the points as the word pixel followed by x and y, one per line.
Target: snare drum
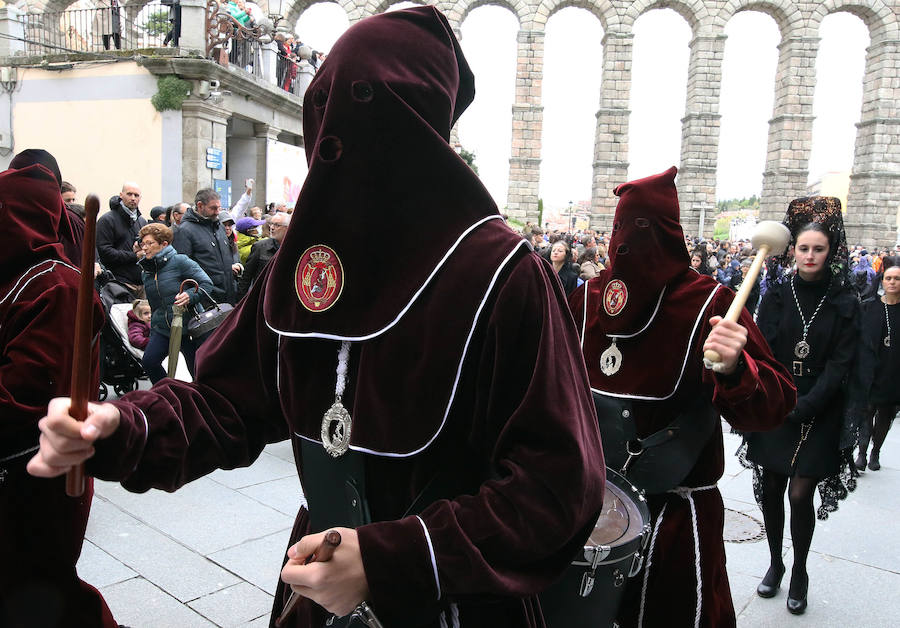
pixel 589 592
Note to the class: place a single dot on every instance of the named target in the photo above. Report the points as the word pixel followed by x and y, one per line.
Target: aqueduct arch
pixel 874 196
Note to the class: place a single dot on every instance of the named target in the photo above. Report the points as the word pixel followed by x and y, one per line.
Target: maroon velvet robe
pixel 41 529
pixel 510 405
pixel 652 367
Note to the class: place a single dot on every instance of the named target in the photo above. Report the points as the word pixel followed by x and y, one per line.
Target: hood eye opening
pixel 622 249
pixel 362 91
pixel 330 149
pixel 643 223
pixel 320 97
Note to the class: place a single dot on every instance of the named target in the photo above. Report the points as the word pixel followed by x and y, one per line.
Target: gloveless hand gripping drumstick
pixel 322 554
pixel 770 238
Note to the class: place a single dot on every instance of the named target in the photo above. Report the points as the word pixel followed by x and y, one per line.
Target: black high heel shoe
pixel 771 582
pixel 796 602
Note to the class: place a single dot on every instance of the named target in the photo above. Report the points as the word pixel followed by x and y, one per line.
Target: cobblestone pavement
pixel 210 554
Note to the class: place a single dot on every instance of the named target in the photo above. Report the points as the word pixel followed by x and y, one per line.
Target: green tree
pixel 157 23
pixel 469 158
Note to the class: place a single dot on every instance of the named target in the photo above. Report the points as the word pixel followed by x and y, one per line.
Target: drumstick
pixel 322 554
pixel 770 237
pixel 82 366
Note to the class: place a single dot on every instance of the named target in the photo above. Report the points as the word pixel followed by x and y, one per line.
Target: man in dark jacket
pixel 117 232
pixel 264 250
pixel 201 237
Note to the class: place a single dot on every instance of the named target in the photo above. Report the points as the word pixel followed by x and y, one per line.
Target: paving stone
pixel 139 604
pixel 234 606
pixel 99 569
pixel 203 515
pixel 842 593
pixel 259 561
pixel 265 468
pixel 282 450
pixel 169 565
pixel 284 495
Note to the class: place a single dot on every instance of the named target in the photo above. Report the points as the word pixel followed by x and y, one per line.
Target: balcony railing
pixel 98 30
pixel 127 28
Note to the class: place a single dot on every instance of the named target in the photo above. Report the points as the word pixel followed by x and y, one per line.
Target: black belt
pixel 799 368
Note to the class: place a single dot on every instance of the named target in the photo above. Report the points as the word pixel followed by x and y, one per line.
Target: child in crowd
pixel 139 324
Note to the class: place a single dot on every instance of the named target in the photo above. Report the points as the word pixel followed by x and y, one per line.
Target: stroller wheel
pixel 125 387
pixel 103 392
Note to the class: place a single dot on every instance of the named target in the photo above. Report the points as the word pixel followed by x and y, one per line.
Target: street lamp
pixel 571 217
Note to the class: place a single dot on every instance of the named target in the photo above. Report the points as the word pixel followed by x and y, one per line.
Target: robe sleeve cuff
pixel 118 455
pixel 739 386
pixel 399 561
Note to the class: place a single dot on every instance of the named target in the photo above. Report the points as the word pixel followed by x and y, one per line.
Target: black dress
pixel 820 378
pixel 879 365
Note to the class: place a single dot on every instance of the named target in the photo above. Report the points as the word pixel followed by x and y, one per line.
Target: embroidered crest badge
pixel 615 297
pixel 319 278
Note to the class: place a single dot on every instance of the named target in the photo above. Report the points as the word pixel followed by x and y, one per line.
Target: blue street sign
pixel 214 158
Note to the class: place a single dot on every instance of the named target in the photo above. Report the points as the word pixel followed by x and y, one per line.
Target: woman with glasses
pixel 163 271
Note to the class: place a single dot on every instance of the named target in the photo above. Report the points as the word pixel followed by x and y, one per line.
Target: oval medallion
pixel 319 278
pixel 801 349
pixel 335 431
pixel 611 360
pixel 615 297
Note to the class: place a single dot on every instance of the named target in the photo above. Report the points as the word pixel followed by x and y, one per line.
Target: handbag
pixel 203 322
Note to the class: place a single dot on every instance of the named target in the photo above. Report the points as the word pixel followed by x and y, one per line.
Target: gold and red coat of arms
pixel 615 297
pixel 319 278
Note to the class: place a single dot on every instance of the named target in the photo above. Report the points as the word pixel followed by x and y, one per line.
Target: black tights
pixel 803 517
pixel 883 416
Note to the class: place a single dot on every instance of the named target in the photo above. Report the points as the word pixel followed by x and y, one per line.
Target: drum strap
pixel 686 492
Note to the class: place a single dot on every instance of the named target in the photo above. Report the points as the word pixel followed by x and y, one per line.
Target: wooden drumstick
pixel 322 554
pixel 770 237
pixel 82 366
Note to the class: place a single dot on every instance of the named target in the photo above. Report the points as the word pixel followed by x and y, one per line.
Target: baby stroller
pixel 120 363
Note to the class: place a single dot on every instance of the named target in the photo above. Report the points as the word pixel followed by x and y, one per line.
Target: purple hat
pixel 246 223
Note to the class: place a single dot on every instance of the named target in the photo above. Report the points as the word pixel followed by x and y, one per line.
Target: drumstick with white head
pixel 770 238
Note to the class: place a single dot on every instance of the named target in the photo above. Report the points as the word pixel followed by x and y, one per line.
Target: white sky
pixel 571 92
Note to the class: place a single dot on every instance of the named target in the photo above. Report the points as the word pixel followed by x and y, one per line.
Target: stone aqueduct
pixel 874 196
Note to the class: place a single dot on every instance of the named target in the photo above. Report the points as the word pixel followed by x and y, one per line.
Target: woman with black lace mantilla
pixel 809 318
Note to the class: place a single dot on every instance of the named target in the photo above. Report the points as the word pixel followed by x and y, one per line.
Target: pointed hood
pixel 646 251
pixel 32 213
pixel 377 119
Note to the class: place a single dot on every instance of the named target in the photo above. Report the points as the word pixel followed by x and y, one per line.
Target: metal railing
pixel 99 30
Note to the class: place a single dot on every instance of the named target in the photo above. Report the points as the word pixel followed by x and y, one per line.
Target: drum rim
pixel 626 550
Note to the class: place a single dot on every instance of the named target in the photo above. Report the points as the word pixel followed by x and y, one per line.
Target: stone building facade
pixel 874 196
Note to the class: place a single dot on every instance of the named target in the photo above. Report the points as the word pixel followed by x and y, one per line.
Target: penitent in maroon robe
pixel 463 357
pixel 41 528
pixel 658 310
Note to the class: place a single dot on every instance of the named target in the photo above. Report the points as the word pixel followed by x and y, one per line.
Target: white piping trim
pixel 459 367
pixel 644 328
pixel 454 615
pixel 421 289
pixel 687 355
pixel 584 317
pixel 146 435
pixel 437 582
pixel 25 274
pixel 278 366
pixel 52 263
